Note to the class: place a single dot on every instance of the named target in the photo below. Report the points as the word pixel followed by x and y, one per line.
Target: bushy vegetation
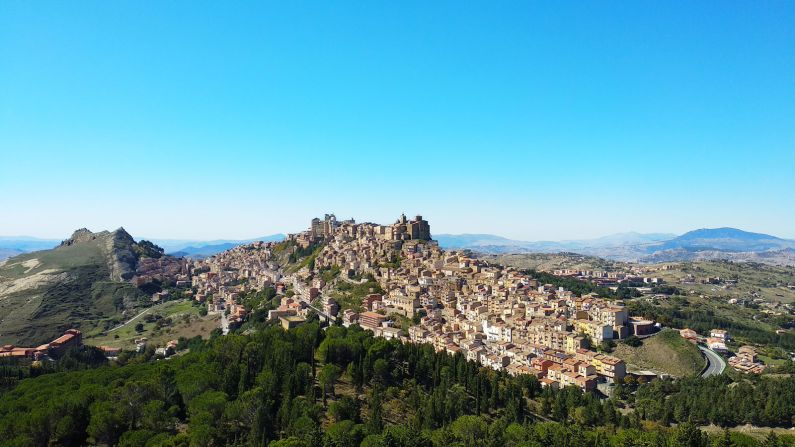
pixel 13 370
pixel 258 304
pixel 147 249
pixel 329 274
pixel 350 295
pixel 759 400
pixel 306 256
pixel 666 352
pixel 579 288
pixel 680 314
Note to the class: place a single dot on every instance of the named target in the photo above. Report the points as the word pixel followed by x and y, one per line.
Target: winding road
pixel 131 319
pixel 715 363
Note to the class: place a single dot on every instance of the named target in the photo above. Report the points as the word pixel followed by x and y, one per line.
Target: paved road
pixel 715 363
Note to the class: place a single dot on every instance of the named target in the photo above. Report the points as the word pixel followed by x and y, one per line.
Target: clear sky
pixel 188 119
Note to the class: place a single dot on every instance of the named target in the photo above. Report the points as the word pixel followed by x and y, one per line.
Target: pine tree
pixel 374 423
pixel 725 440
pixel 688 435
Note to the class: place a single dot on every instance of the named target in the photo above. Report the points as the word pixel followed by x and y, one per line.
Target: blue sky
pixel 239 119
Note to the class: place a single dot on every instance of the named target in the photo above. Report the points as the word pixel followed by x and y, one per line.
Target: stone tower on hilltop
pixel 416 229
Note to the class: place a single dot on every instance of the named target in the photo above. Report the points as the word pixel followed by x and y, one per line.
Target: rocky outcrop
pixel 122 257
pixel 82 235
pixel 117 246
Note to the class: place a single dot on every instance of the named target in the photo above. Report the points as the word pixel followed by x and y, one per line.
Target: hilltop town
pixel 354 291
pixel 497 316
pixel 396 281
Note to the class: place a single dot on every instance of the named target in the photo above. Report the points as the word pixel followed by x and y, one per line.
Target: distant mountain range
pixel 16 245
pixel 200 250
pixel 494 243
pixel 707 243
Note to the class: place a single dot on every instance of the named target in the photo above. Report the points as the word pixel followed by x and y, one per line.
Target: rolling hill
pixel 16 245
pixel 81 283
pixel 665 352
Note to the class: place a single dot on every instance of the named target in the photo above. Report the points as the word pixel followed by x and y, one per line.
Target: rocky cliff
pixel 118 247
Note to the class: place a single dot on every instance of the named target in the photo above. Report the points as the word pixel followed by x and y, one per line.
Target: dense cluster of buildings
pixel 611 278
pixel 163 269
pixel 219 281
pixel 497 316
pixel 402 230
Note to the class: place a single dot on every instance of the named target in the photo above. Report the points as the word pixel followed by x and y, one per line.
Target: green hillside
pixel 665 352
pixel 46 292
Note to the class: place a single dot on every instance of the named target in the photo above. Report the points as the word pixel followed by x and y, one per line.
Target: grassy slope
pixel 549 262
pixel 768 281
pixel 350 296
pixel 186 322
pixel 86 299
pixel 665 352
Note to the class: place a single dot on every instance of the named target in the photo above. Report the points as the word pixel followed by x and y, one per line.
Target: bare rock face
pixel 117 246
pixel 122 258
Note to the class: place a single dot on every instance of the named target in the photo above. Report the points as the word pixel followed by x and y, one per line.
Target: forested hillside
pixel 342 387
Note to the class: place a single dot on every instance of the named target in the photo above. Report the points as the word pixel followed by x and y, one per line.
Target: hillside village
pixel 410 289
pixel 497 316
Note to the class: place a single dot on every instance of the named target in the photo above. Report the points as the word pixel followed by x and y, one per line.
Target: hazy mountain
pixel 79 283
pixel 726 239
pixel 496 244
pixel 9 252
pixel 702 244
pixel 199 249
pixel 723 243
pixel 453 241
pixel 14 245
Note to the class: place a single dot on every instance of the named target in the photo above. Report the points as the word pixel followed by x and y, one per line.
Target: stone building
pixel 417 229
